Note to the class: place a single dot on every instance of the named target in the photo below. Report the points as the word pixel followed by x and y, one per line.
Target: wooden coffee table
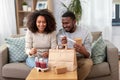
pixel 50 75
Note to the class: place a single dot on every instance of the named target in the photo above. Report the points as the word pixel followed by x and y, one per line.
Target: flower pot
pixel 25 8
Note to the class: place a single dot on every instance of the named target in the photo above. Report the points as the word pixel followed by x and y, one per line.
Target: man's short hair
pixel 69 14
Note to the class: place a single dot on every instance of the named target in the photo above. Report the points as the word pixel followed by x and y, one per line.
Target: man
pixel 67 35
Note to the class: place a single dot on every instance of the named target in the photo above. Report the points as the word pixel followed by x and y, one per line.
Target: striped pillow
pixel 98 51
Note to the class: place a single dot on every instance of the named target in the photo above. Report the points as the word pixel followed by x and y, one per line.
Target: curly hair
pixel 50 20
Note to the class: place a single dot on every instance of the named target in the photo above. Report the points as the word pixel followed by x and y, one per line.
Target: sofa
pixel 107 70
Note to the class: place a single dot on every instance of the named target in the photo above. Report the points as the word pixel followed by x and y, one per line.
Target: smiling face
pixel 68 24
pixel 41 23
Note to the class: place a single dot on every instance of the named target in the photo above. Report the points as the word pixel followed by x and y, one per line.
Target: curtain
pixel 7 19
pixel 97 15
pixel 100 17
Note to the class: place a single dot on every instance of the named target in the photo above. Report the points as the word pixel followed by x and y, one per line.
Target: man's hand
pixel 81 49
pixel 64 40
pixel 78 48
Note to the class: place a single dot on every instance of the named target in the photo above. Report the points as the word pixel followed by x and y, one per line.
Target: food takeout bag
pixel 62 57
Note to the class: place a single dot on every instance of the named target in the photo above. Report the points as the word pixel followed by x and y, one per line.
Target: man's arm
pixel 85 48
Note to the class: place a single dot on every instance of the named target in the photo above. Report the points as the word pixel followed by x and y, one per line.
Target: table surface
pixel 35 75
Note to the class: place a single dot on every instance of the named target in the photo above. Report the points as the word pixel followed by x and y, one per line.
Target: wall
pixel 116 36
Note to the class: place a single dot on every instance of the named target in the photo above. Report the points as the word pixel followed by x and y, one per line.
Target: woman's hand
pixel 45 54
pixel 33 51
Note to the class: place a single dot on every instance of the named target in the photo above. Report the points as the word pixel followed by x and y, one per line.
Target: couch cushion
pixel 99 70
pixel 16 48
pixel 98 53
pixel 96 35
pixel 15 70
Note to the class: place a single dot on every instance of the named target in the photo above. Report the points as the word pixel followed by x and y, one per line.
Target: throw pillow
pixel 96 35
pixel 16 48
pixel 98 53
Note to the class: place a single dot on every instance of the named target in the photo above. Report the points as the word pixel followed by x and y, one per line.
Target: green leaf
pixel 64 5
pixel 75 7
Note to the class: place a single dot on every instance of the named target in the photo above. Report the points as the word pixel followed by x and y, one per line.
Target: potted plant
pixel 76 8
pixel 24 6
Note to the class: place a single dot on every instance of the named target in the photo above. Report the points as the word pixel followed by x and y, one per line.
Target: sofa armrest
pixel 112 58
pixel 3 55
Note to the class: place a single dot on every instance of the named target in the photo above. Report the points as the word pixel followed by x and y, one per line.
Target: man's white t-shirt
pixel 80 32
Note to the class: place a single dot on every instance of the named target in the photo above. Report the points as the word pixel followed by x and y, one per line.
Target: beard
pixel 70 29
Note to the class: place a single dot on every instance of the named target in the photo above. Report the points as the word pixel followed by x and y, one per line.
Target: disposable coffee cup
pixel 78 40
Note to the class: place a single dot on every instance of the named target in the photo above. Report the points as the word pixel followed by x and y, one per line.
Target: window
pixel 116 15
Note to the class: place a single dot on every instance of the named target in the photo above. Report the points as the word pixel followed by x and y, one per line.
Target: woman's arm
pixel 28 43
pixel 53 40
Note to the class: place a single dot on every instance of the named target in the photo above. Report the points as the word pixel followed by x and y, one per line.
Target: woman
pixel 40 36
